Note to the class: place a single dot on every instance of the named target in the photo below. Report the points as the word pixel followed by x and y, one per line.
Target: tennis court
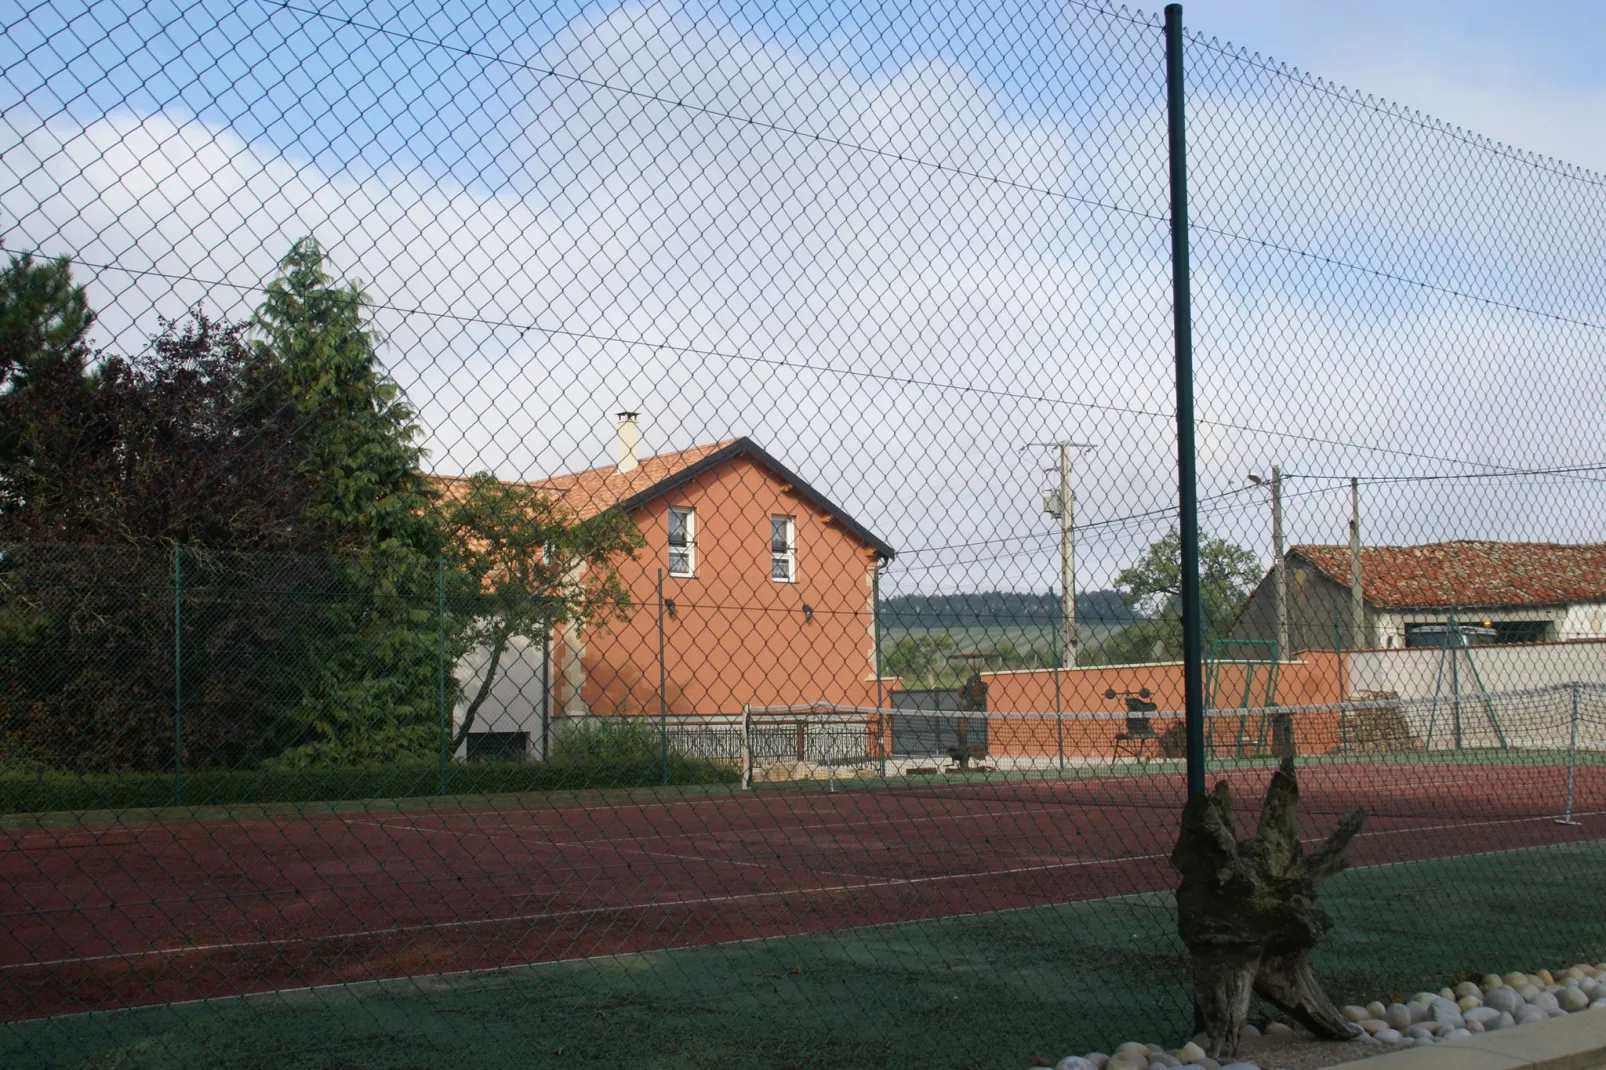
pixel 109 915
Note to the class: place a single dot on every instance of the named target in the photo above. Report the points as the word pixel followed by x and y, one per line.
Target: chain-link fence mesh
pixel 648 534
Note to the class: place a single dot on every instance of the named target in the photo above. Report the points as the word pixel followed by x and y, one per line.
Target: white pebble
pixel 1375 1009
pixel 1248 1031
pixel 1531 1014
pixel 1398 1016
pixel 1475 1027
pixel 1354 1013
pixel 1275 1029
pixel 1466 1003
pixel 1503 999
pixel 1458 1034
pixel 1467 988
pixel 1374 1026
pixel 1190 1052
pixel 1571 999
pixel 1389 1036
pixel 1074 1062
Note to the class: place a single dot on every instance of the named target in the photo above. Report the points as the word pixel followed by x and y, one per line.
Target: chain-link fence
pixel 649 534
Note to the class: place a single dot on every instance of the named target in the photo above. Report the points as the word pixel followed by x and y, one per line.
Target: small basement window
pixel 783 549
pixel 498 746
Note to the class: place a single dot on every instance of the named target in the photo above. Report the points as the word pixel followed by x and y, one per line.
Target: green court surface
pixel 980 991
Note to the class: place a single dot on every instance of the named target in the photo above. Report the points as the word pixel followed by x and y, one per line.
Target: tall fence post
pixel 178 676
pixel 875 626
pixel 440 665
pixel 663 697
pixel 1572 759
pixel 1187 475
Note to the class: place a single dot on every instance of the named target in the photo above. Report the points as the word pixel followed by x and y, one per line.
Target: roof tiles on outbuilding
pixel 1469 573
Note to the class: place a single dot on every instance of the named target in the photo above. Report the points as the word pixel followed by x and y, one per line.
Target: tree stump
pixel 1246 911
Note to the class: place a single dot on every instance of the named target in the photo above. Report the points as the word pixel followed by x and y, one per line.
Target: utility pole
pixel 1062 505
pixel 1279 568
pixel 1357 604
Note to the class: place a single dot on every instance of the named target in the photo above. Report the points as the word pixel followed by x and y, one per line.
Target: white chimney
pixel 628 438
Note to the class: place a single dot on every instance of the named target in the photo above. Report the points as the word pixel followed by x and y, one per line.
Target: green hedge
pixel 55 791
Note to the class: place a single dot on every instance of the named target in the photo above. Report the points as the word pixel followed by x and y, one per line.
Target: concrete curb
pixel 1576 1042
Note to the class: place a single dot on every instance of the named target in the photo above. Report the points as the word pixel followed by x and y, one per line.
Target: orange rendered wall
pixel 735 635
pixel 1312 679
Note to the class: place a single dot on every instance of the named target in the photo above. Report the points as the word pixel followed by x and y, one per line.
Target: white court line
pixel 715 899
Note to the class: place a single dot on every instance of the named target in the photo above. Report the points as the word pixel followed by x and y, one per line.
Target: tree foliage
pixel 524 565
pixel 46 389
pixel 372 682
pixel 108 470
pixel 1152 586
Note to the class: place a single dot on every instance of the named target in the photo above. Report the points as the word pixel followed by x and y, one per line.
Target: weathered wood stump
pixel 1246 911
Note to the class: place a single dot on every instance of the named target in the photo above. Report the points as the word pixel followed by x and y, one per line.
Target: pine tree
pixel 373 682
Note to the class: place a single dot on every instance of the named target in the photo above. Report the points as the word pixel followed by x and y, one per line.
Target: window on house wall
pixel 783 549
pixel 682 540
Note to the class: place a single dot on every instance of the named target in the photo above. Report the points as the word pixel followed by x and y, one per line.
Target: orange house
pixel 753 588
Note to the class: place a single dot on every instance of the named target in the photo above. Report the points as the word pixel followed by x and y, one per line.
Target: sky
pixel 901 246
pixel 1528 74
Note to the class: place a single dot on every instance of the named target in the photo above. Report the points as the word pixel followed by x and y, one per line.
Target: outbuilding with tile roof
pixel 1500 592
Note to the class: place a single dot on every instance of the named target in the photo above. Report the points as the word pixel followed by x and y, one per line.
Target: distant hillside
pixel 988 609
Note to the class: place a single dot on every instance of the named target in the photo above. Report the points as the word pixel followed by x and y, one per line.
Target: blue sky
pixel 1526 73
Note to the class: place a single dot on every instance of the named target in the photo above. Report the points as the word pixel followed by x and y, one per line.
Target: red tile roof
pixel 597 489
pixel 1469 573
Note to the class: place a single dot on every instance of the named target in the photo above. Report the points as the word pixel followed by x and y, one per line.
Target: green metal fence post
pixel 1187 475
pixel 440 664
pixel 663 697
pixel 881 727
pixel 178 676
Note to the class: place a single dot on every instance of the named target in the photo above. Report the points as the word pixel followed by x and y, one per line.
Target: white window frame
pixel 689 550
pixel 787 556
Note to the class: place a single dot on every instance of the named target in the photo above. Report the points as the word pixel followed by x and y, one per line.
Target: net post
pixel 747 747
pixel 663 698
pixel 881 738
pixel 1572 758
pixel 1187 475
pixel 440 669
pixel 178 676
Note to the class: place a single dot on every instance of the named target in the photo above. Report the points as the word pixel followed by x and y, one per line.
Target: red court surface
pixel 115 915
